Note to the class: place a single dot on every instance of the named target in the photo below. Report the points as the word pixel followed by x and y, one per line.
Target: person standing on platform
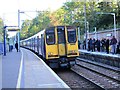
pixel 16 46
pixel 107 46
pixel 90 44
pixel 98 45
pixel 113 44
pixel 102 45
pixel 118 48
pixel 94 44
pixel 10 44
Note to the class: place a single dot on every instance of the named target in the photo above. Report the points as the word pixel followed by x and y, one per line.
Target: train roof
pixel 38 34
pixel 42 31
pixel 61 26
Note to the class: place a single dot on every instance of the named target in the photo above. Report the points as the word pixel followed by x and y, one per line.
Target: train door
pixel 42 46
pixel 72 42
pixel 38 44
pixel 51 44
pixel 61 41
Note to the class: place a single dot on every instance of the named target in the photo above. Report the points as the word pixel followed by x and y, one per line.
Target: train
pixel 57 45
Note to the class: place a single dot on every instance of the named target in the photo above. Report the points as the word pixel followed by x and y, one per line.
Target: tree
pixel 106 21
pixel 1 30
pixel 24 29
pixel 74 11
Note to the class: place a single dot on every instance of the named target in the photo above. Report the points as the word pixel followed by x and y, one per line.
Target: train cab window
pixel 61 35
pixel 71 35
pixel 50 37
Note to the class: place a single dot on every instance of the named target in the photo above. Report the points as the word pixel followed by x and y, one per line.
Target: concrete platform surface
pixel 37 74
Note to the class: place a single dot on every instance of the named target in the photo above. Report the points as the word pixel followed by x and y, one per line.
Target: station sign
pixel 13 29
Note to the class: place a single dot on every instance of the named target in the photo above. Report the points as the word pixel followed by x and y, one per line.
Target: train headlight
pixel 50 53
pixel 72 51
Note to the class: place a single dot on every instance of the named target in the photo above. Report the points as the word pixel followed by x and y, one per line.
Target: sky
pixel 9 9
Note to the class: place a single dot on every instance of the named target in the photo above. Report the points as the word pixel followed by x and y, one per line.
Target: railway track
pixel 74 80
pixel 104 77
pixel 107 70
pixel 112 68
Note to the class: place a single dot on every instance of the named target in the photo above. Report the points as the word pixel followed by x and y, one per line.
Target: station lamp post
pixel 78 21
pixel 86 36
pixel 18 35
pixel 114 21
pixel 4 36
pixel 18 40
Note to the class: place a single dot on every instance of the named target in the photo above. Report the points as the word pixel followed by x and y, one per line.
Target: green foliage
pixel 24 32
pixel 39 23
pixel 1 30
pixel 74 11
pixel 30 28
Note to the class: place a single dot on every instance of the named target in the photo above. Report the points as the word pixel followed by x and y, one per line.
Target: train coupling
pixel 64 62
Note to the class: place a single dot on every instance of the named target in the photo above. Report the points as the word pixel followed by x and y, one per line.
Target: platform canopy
pixel 13 29
pixel 12 32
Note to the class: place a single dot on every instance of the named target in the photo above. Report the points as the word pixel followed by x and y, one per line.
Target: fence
pixel 105 34
pixel 1 47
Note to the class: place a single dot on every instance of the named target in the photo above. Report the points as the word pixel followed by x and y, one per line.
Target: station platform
pixel 24 69
pixel 10 68
pixel 37 74
pixel 101 57
pixel 0 71
pixel 100 53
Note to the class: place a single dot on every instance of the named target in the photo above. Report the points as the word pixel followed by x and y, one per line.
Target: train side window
pixel 50 38
pixel 71 35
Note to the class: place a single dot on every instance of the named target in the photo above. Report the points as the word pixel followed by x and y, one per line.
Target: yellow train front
pixel 58 45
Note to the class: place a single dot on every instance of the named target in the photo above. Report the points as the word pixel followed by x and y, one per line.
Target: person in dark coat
pixel 84 44
pixel 90 44
pixel 98 45
pixel 113 44
pixel 118 48
pixel 16 46
pixel 94 44
pixel 107 46
pixel 102 45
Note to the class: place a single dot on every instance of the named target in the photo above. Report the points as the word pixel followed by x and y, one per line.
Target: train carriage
pixel 57 45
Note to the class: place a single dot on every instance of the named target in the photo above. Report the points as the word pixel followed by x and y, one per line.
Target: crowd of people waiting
pixel 104 45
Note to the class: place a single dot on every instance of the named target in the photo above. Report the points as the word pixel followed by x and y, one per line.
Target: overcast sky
pixel 9 8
